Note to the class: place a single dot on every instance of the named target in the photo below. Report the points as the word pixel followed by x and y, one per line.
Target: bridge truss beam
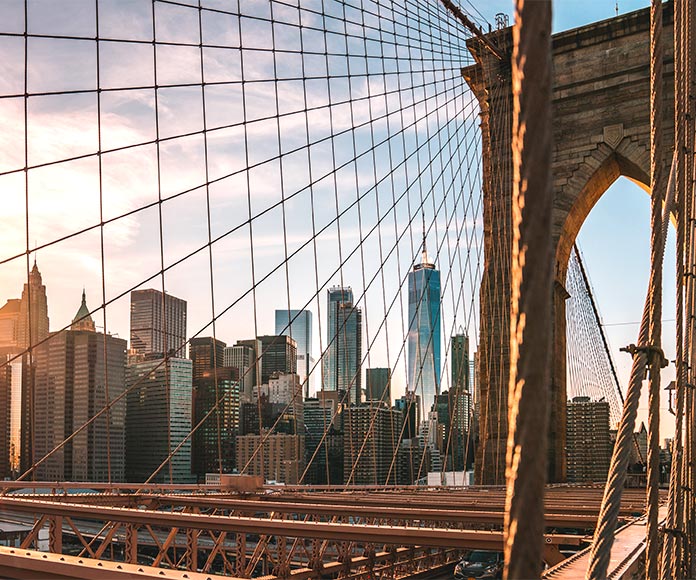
pixel 288 534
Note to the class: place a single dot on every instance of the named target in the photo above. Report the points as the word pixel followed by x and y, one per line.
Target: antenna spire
pixel 425 250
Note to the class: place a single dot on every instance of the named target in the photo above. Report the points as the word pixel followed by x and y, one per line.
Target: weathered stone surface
pixel 601 131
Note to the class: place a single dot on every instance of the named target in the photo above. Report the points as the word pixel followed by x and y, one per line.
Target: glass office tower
pixel 424 331
pixel 157 323
pixel 378 385
pixel 158 419
pixel 298 325
pixel 342 357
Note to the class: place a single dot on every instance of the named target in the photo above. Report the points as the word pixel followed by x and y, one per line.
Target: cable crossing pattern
pixel 308 240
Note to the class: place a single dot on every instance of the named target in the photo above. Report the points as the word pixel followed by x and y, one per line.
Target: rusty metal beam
pixel 107 540
pixel 19 564
pixel 471 26
pixel 398 535
pixel 451 497
pixel 384 512
pixel 311 505
pixel 559 500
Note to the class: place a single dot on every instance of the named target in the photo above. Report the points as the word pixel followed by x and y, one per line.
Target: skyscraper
pixel 342 357
pixel 323 443
pixel 157 323
pixel 243 358
pixel 298 325
pixel 206 353
pixel 459 347
pixel 279 356
pixel 35 304
pixel 159 419
pixel 409 406
pixel 82 319
pixel 10 412
pixel 378 384
pixel 221 425
pixel 459 401
pixel 77 372
pixel 588 442
pixel 212 383
pixel 278 456
pixel 424 330
pixel 370 441
pixel 23 323
pixel 283 393
pixel 9 323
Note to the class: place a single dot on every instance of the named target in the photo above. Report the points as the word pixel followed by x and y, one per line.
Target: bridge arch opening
pixel 614 167
pixel 614 238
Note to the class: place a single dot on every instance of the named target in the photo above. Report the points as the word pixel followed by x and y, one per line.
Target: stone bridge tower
pixel 601 127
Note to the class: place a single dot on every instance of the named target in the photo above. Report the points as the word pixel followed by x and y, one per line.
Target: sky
pixel 65 197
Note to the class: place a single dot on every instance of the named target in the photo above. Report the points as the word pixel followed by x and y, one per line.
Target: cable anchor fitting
pixel 650 350
pixel 673 532
pixel 654 354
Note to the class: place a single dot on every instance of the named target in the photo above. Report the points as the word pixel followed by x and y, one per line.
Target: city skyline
pixel 262 244
pixel 149 376
pixel 146 316
pixel 277 195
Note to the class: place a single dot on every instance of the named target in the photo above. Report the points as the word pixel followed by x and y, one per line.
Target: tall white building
pixel 281 388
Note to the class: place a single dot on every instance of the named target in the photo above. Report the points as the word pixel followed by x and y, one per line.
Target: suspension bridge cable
pixel 532 285
pixel 656 357
pixel 124 394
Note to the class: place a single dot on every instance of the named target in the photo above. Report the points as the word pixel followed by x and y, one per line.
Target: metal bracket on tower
pixel 650 350
pixel 471 26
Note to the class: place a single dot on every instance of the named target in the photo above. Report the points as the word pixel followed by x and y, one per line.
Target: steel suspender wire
pixel 421 35
pixel 678 545
pixel 105 351
pixel 674 544
pixel 689 151
pixel 214 351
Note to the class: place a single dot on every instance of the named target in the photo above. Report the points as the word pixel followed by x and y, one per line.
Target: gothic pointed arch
pixel 588 191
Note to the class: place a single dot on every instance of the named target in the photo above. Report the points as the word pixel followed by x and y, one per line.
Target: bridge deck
pixel 629 546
